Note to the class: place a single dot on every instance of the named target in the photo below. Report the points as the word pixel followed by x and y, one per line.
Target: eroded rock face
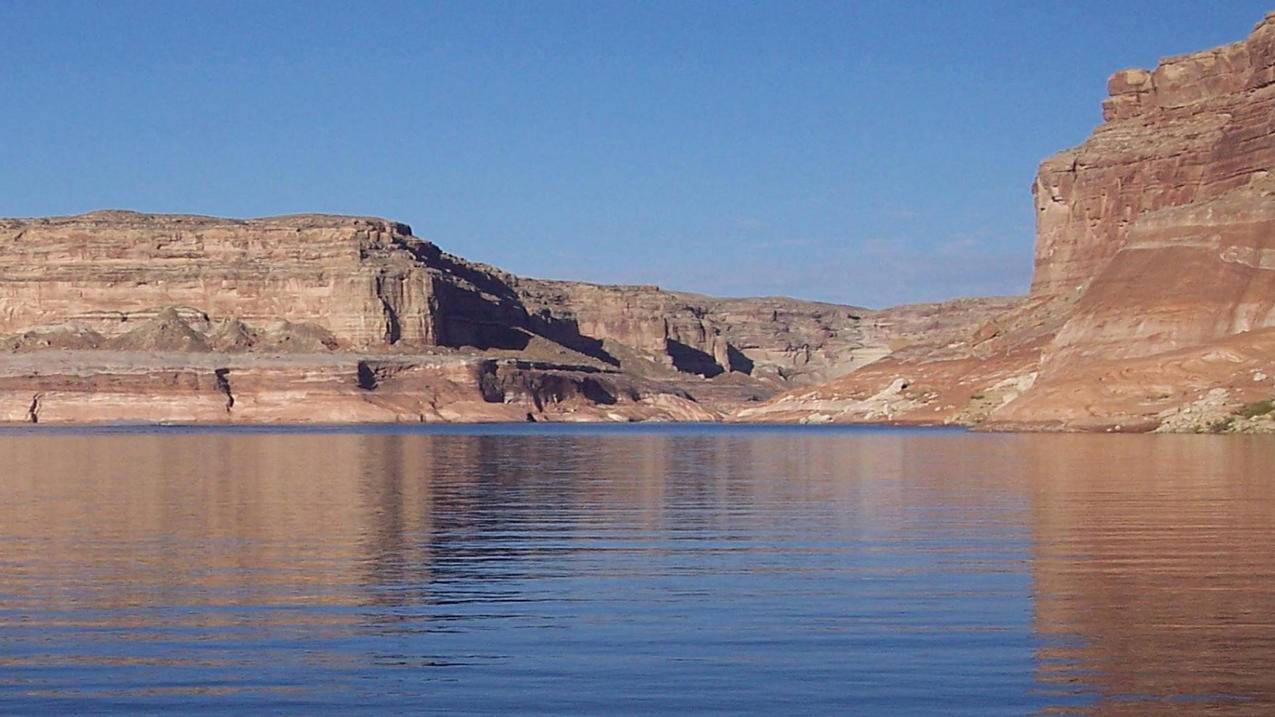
pixel 1186 276
pixel 781 339
pixel 359 279
pixel 128 284
pixel 1152 307
pixel 1153 299
pixel 1193 129
pixel 1170 229
pixel 182 387
pixel 939 372
pixel 368 284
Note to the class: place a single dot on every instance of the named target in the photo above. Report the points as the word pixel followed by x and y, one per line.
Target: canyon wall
pixel 1152 304
pixel 277 319
pixel 1165 221
pixel 52 387
pixel 358 279
pixel 370 285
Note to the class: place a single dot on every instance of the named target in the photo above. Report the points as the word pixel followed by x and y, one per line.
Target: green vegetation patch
pixel 1221 425
pixel 1256 408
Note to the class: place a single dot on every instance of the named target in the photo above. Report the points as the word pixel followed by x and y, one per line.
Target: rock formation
pixel 1152 307
pixel 358 279
pixel 120 316
pixel 1153 299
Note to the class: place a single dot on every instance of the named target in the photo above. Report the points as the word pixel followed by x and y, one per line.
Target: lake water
pixel 636 570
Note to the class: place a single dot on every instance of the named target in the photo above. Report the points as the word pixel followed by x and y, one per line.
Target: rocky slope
pixel 1153 298
pixel 120 316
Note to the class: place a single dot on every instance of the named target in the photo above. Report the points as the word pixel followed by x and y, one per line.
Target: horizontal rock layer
pixel 71 387
pixel 1195 128
pixel 369 285
pixel 1152 308
pixel 362 280
pixel 1153 297
pixel 255 305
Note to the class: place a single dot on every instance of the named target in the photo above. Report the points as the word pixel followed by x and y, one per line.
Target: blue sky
pixel 869 153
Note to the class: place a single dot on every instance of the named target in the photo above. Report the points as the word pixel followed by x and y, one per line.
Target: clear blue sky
pixel 869 153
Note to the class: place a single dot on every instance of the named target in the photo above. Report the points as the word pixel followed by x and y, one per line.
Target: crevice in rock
pixel 33 411
pixel 393 327
pixel 223 385
pixel 367 376
pixel 489 383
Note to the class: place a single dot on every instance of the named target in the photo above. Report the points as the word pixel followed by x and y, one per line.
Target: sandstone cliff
pixel 1152 307
pixel 133 317
pixel 1153 299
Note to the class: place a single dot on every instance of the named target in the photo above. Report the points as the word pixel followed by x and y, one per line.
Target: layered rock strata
pixel 288 311
pixel 1152 307
pixel 1153 297
pixel 136 387
pixel 361 280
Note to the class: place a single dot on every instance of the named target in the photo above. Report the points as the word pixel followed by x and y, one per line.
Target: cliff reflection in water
pixel 741 570
pixel 1158 555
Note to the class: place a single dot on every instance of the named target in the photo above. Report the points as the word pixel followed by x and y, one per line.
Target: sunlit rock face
pixel 1197 127
pixel 369 284
pixel 1163 224
pixel 126 316
pixel 1153 299
pixel 1152 306
pixel 360 280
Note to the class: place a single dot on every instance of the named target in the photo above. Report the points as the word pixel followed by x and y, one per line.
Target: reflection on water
pixel 1158 557
pixel 664 571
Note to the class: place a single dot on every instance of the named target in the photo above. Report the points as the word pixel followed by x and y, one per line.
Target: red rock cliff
pixel 1196 127
pixel 1153 299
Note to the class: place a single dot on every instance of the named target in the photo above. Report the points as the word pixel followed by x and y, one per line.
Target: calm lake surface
pixel 636 570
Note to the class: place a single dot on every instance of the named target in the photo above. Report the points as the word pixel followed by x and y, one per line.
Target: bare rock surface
pixel 1153 298
pixel 183 387
pixel 304 301
pixel 1152 307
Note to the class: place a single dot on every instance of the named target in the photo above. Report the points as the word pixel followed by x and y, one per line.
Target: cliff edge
pixel 129 317
pixel 1152 303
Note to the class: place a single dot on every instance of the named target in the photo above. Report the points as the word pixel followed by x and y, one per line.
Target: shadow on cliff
pixel 689 359
pixel 479 308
